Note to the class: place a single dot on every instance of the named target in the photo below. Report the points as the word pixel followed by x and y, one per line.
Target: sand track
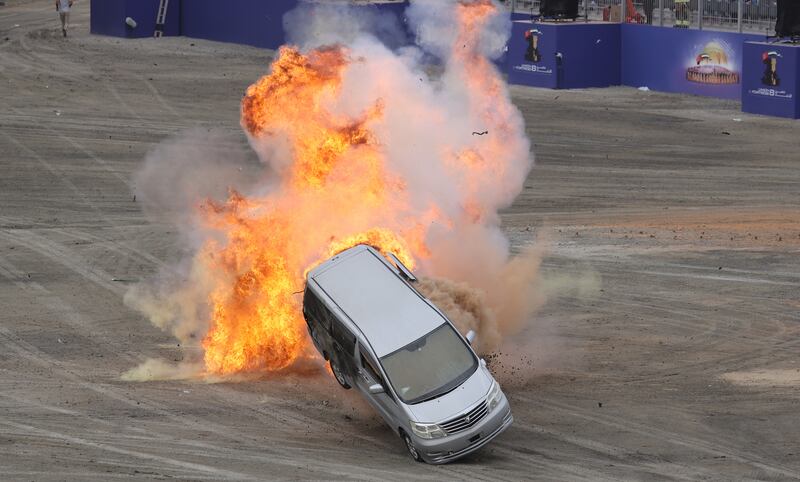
pixel 681 363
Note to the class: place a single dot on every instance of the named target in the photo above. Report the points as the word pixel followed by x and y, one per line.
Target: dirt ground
pixel 669 347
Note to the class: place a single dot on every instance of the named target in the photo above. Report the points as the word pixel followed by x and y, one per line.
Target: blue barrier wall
pixel 145 13
pixel 251 22
pixel 771 80
pixel 701 62
pixel 565 56
pixel 108 17
pixel 590 55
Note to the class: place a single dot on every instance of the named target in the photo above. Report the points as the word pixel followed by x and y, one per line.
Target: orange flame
pixel 382 239
pixel 335 193
pixel 270 242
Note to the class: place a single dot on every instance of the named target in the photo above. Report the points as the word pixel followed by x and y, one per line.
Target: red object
pixel 632 15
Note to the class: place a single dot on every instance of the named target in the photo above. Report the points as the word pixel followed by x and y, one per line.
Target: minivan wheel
pixel 337 373
pixel 412 450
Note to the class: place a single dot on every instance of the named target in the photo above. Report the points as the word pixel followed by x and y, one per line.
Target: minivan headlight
pixel 495 395
pixel 427 430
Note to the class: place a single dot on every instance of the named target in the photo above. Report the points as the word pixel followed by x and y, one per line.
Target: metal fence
pixel 755 16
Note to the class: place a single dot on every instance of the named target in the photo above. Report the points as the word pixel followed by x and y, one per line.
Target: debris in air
pixel 483 133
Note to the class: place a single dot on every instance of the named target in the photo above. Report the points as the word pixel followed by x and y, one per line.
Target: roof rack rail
pixel 404 272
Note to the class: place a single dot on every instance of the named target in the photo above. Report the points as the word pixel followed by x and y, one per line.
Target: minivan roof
pixel 387 311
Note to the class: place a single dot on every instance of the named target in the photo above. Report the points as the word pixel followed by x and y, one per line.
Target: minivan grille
pixel 467 420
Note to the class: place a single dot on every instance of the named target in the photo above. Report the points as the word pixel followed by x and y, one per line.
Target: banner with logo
pixel 771 79
pixel 701 62
pixel 563 55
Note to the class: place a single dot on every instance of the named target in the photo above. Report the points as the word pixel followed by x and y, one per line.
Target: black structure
pixel 788 24
pixel 557 9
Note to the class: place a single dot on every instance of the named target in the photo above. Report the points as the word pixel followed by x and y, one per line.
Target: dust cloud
pixel 494 313
pixel 441 186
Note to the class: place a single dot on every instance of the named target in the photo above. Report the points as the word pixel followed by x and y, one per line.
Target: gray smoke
pixel 454 183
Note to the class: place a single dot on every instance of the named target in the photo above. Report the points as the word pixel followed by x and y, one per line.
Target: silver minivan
pixel 383 337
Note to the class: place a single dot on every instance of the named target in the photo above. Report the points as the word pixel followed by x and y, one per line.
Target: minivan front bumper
pixel 451 447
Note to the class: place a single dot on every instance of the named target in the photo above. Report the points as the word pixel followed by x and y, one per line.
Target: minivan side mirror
pixel 376 389
pixel 471 336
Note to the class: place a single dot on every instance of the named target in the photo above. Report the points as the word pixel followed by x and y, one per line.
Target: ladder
pixel 161 18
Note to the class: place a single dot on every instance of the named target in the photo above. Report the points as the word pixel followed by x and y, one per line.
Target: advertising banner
pixel 701 62
pixel 531 57
pixel 771 79
pixel 564 55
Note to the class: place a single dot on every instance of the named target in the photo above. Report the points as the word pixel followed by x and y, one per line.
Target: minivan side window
pixel 370 368
pixel 314 309
pixel 346 339
pixel 373 371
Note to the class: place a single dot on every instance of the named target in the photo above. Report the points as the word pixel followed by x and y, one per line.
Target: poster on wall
pixel 771 78
pixel 531 55
pixel 714 65
pixel 699 62
pixel 564 55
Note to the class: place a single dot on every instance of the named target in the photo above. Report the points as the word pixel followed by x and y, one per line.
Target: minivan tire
pixel 338 374
pixel 412 449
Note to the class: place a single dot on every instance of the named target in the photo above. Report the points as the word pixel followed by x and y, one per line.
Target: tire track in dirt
pixel 781 342
pixel 207 469
pixel 161 101
pixel 299 420
pixel 123 179
pixel 71 261
pixel 784 344
pixel 146 437
pixel 54 65
pixel 67 313
pixel 680 439
pixel 58 254
pixel 58 174
pixel 618 455
pixel 272 454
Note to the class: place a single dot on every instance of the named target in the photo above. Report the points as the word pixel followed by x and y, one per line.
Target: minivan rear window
pixel 430 366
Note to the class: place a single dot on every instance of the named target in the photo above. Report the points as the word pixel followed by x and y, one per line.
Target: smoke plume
pixel 359 144
pixel 495 310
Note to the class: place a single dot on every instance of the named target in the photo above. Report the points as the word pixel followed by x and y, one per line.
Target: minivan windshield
pixel 430 366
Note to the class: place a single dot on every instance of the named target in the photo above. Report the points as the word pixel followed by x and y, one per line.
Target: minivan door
pixel 368 375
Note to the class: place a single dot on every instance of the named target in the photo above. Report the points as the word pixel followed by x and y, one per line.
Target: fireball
pixel 335 187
